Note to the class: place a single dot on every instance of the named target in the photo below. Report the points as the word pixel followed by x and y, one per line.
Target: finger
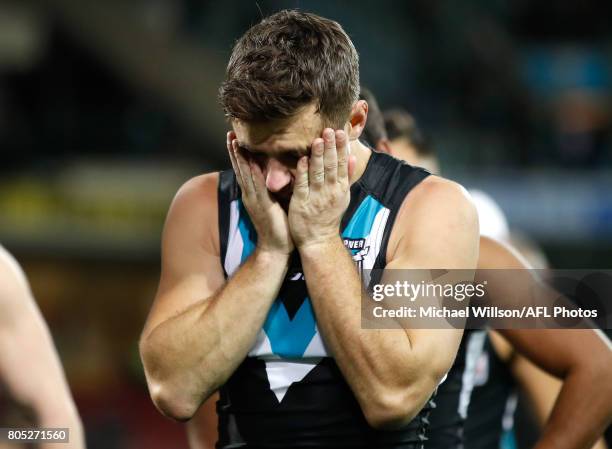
pixel 259 183
pixel 230 151
pixel 342 152
pixel 330 158
pixel 245 171
pixel 316 173
pixel 300 188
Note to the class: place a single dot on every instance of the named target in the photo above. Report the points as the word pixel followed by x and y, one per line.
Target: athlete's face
pixel 277 146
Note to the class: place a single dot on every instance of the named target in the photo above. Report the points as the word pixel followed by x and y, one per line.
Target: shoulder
pixel 435 189
pixel 13 284
pixel 193 214
pixel 197 197
pixel 199 191
pixel 10 271
pixel 436 200
pixel 436 214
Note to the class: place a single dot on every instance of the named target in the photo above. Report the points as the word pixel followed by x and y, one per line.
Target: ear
pixel 357 120
pixel 383 146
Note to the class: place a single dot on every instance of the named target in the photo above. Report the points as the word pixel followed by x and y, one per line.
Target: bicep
pixel 191 268
pixel 437 229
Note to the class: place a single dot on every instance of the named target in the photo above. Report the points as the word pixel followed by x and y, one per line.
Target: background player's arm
pixel 202 430
pixel 200 328
pixel 582 358
pixel 541 388
pixel 394 372
pixel 29 365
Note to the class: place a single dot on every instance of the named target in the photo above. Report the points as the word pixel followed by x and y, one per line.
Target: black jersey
pixel 289 392
pixel 493 389
pixel 453 396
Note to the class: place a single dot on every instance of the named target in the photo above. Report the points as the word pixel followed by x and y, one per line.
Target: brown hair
pixel 287 61
pixel 400 123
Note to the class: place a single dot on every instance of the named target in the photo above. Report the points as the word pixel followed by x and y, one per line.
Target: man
pixel 260 298
pixel 30 369
pixel 558 351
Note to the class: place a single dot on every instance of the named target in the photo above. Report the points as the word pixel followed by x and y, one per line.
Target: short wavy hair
pixel 287 61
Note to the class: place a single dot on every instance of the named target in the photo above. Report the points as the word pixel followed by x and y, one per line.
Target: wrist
pixel 319 246
pixel 271 256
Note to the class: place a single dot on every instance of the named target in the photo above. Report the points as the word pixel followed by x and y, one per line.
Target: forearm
pixel 187 357
pixel 202 432
pixel 32 371
pixel 379 365
pixel 581 414
pixel 62 415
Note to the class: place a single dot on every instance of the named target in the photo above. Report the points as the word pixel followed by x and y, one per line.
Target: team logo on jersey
pixel 359 250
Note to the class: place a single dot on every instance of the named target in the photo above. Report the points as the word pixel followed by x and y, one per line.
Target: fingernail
pixel 329 133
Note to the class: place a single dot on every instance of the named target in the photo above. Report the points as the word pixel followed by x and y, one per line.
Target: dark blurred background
pixel 106 108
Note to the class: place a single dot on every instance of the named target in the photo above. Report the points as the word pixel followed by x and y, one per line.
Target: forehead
pixel 294 133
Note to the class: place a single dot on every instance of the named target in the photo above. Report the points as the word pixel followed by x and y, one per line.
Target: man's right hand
pixel 267 215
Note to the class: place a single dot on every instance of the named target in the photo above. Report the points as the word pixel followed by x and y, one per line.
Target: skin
pixel 30 368
pixel 401 148
pixel 581 358
pixel 295 178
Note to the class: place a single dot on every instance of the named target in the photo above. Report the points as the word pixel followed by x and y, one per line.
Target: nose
pixel 278 175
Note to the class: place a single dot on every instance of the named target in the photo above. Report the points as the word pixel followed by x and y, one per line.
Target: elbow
pixel 168 394
pixel 391 410
pixel 395 407
pixel 171 403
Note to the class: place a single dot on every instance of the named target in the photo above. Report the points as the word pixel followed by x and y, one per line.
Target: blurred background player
pixel 31 373
pixel 396 132
pixel 498 370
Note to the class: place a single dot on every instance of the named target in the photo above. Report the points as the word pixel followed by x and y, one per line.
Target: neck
pixel 362 155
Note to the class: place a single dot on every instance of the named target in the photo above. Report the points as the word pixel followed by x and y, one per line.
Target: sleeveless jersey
pixel 488 408
pixel 453 396
pixel 289 392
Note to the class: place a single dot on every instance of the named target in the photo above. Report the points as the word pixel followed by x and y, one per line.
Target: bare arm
pixel 202 431
pixel 29 364
pixel 541 388
pixel 200 327
pixel 585 396
pixel 582 358
pixel 392 372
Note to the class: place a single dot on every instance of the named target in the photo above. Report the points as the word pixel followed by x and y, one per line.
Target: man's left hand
pixel 321 192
